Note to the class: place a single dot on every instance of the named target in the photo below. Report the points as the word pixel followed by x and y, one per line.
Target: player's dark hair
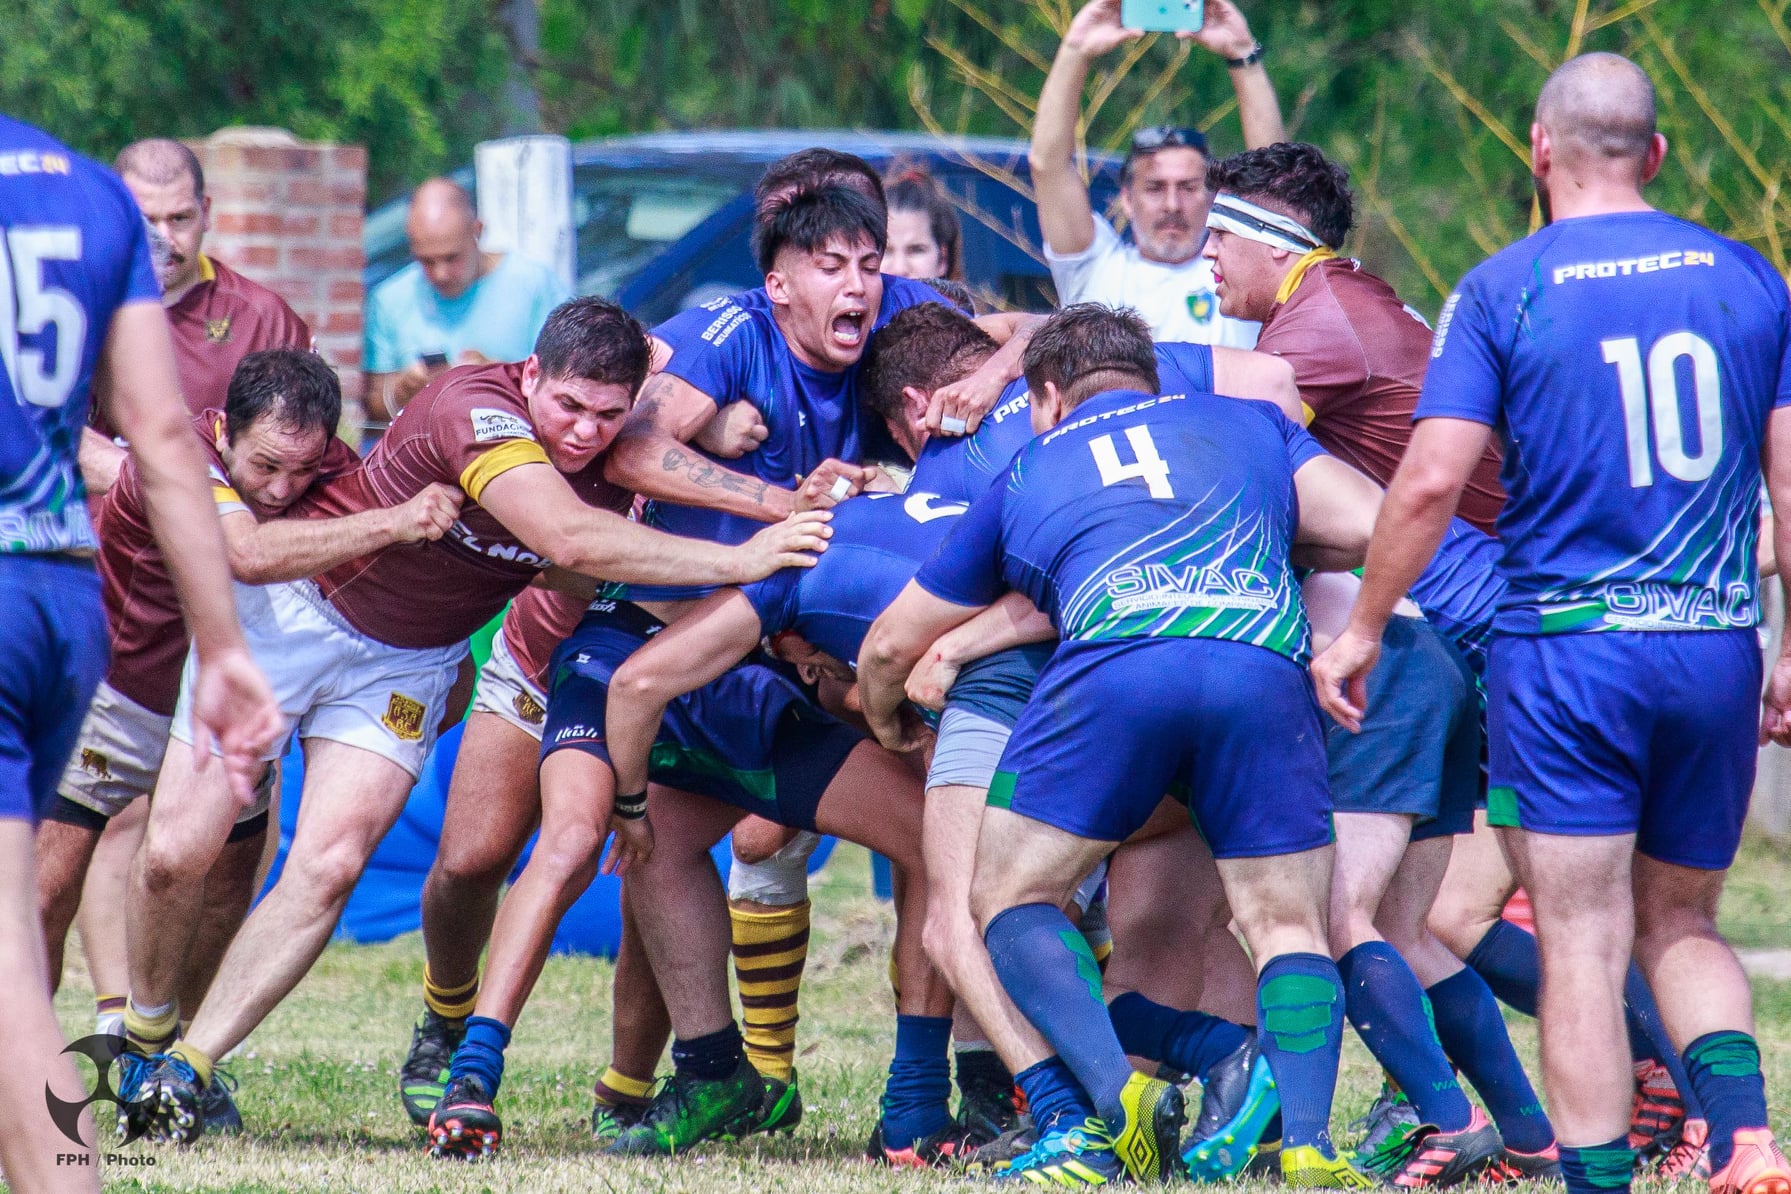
pixel 913 189
pixel 1294 178
pixel 1089 347
pixel 809 217
pixel 596 340
pixel 815 167
pixel 958 293
pixel 160 161
pixel 925 346
pixel 298 390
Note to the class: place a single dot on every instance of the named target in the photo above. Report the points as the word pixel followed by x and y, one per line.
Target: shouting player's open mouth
pixel 848 328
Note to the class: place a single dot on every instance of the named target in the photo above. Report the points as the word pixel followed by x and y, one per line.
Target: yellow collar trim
pixel 1297 274
pixel 207 272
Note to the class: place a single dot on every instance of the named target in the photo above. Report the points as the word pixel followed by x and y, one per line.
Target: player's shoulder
pixel 723 327
pixel 32 156
pixel 473 404
pixel 901 293
pixel 249 295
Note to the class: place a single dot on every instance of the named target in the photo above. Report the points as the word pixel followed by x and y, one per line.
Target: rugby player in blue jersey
pixel 1168 573
pixel 78 296
pixel 1637 367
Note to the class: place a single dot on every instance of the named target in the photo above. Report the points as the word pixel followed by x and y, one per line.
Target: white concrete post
pixel 525 200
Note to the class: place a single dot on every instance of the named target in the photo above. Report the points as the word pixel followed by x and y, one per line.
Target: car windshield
pixel 627 217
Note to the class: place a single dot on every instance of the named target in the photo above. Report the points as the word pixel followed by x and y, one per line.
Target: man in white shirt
pixel 1163 194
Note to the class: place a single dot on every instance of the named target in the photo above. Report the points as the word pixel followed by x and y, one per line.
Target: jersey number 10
pixel 28 306
pixel 1658 391
pixel 1146 465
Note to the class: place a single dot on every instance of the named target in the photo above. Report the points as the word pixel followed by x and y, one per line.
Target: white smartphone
pixel 1163 16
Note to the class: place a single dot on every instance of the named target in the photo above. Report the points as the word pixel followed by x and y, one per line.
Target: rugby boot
pixel 424 1074
pixel 996 1156
pixel 610 1120
pixel 464 1126
pixel 1148 1140
pixel 1689 1159
pixel 781 1108
pixel 221 1116
pixel 133 1112
pixel 1306 1168
pixel 941 1149
pixel 1237 1105
pixel 1078 1155
pixel 1758 1167
pixel 987 1110
pixel 1512 1167
pixel 1391 1118
pixel 170 1095
pixel 686 1111
pixel 1657 1115
pixel 1448 1158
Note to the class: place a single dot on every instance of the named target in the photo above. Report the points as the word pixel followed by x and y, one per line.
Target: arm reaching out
pixel 1065 216
pixel 283 549
pixel 231 698
pixel 1013 621
pixel 651 458
pixel 896 641
pixel 1227 34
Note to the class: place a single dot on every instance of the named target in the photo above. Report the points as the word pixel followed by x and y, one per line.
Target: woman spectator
pixel 924 238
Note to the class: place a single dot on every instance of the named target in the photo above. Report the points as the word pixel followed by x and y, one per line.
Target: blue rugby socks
pixel 1192 1042
pixel 1054 1098
pixel 1473 1036
pixel 1299 1002
pixel 1050 973
pixel 1386 1006
pixel 1648 1039
pixel 481 1053
pixel 1724 1068
pixel 1598 1168
pixel 917 1097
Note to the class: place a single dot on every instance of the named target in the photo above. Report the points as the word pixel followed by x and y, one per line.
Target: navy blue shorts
pixel 1643 732
pixel 750 738
pixel 1418 753
pixel 53 656
pixel 998 686
pixel 1113 726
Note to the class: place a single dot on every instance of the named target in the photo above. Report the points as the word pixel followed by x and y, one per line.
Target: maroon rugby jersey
pixel 149 637
pixel 538 621
pixel 1359 356
pixel 217 323
pixel 466 427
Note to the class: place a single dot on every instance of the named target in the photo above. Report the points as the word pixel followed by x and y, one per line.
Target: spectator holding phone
pixel 453 305
pixel 1163 192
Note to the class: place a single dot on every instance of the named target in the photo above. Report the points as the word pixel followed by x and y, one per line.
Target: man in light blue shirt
pixel 453 305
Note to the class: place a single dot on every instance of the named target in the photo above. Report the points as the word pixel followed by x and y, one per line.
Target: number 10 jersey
pixel 1631 362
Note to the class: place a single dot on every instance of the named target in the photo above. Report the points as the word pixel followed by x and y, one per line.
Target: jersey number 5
pixel 1146 465
pixel 28 306
pixel 1658 392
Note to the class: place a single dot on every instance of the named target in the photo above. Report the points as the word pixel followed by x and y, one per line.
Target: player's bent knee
pixel 565 850
pixel 326 877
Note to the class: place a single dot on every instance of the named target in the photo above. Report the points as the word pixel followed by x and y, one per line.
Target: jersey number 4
pixel 1146 465
pixel 1657 392
pixel 29 305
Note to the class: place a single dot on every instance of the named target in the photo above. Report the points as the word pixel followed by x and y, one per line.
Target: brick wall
pixel 288 214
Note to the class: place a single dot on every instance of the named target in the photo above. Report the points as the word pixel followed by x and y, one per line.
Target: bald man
pixel 453 305
pixel 1638 366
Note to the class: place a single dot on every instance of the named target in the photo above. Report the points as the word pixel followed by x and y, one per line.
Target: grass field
pixel 319 1080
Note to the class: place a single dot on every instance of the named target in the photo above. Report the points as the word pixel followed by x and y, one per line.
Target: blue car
pixel 664 218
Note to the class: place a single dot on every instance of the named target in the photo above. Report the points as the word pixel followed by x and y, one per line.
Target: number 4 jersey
pixel 73 250
pixel 1630 361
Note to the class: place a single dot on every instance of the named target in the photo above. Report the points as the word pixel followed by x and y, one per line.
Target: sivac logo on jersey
pixel 1158 586
pixel 1625 266
pixel 1643 606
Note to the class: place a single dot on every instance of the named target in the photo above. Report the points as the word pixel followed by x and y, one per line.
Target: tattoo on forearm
pixel 709 475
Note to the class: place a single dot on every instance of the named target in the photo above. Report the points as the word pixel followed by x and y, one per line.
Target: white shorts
pixel 968 748
pixel 334 682
pixel 505 690
pixel 119 755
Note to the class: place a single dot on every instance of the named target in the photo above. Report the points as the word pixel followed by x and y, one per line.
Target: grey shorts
pixel 968 748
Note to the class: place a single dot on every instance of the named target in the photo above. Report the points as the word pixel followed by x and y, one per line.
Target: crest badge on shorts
pixel 528 708
pixel 95 764
pixel 404 717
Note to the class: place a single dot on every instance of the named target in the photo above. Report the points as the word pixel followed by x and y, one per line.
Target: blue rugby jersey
pixel 879 541
pixel 1144 517
pixel 1630 362
pixel 73 250
pixel 962 467
pixel 1460 589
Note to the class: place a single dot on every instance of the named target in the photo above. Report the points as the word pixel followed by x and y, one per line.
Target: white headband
pixel 1242 218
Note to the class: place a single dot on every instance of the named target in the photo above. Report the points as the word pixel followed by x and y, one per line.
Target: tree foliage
pixel 1429 104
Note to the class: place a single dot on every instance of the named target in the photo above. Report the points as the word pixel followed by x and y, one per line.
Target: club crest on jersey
pixel 1201 306
pixel 528 708
pixel 95 764
pixel 489 424
pixel 217 331
pixel 404 717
